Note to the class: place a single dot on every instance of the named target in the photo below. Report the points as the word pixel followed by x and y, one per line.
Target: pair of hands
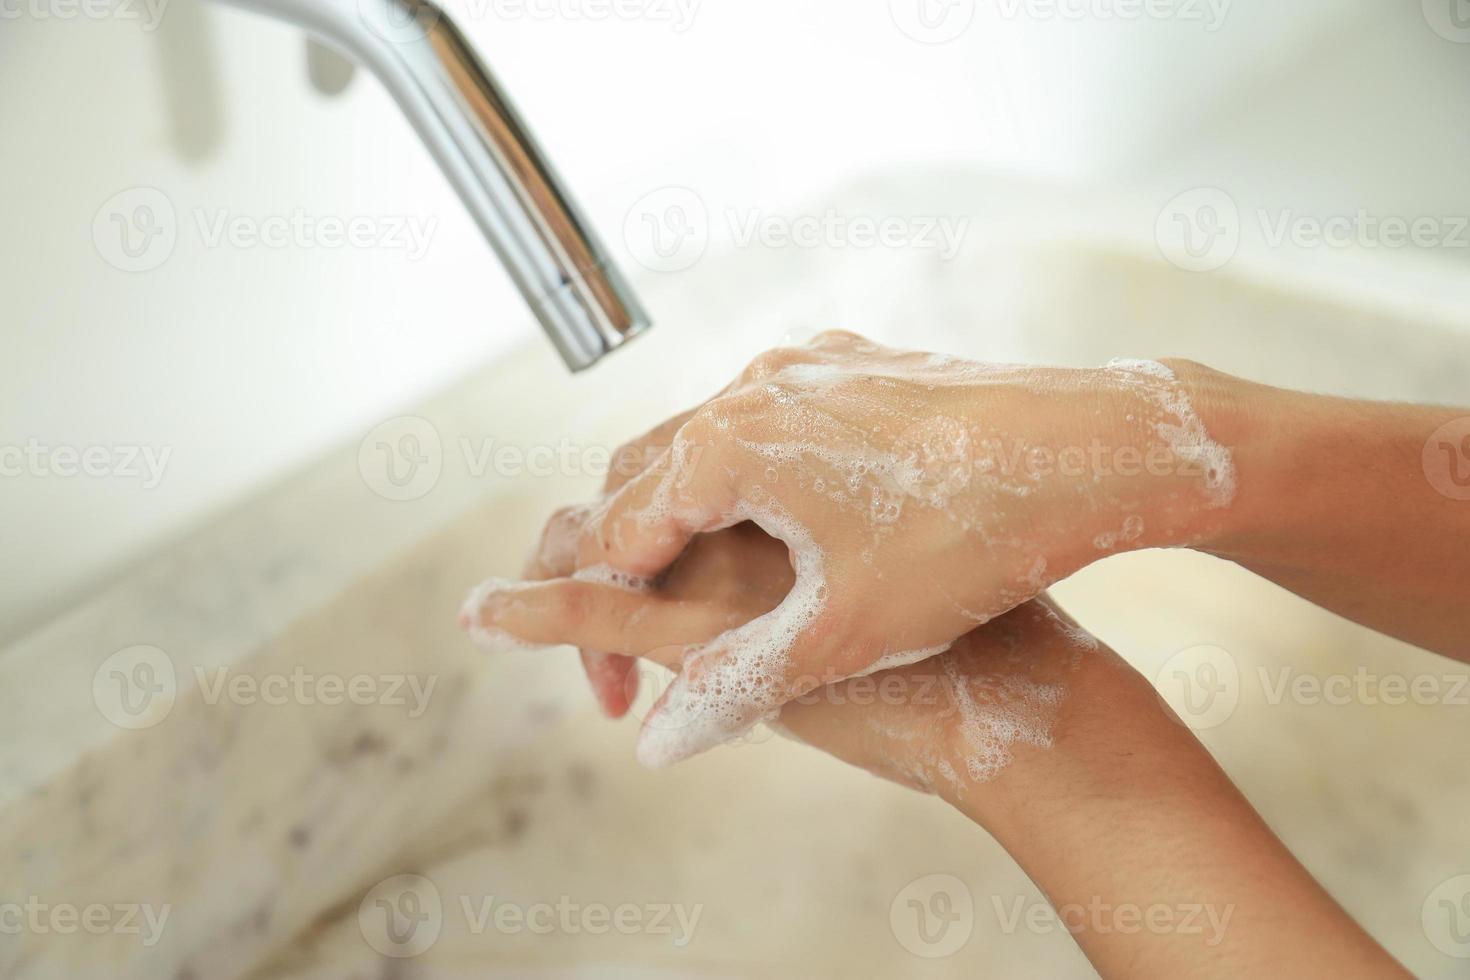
pixel 853 543
pixel 843 509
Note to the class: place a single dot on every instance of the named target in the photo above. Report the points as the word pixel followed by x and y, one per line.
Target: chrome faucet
pixel 481 143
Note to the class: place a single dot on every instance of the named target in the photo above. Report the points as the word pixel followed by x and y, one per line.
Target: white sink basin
pixel 265 828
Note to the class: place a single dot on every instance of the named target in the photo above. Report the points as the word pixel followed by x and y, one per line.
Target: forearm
pixel 1154 861
pixel 1335 502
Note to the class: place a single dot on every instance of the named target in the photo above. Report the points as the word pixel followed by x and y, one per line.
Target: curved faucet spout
pixel 485 149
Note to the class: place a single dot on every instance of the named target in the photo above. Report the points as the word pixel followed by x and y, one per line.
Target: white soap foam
pixel 607 575
pixel 1185 435
pixel 1016 709
pixel 742 674
pixel 663 502
pixel 1131 531
pixel 903 658
pixel 491 638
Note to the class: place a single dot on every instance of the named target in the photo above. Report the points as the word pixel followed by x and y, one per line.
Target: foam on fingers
pixel 491 638
pixel 644 526
pixel 742 677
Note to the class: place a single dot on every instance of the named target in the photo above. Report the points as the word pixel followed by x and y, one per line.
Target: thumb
pixel 741 678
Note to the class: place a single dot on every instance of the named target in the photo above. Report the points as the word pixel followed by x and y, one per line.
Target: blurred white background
pixel 244 362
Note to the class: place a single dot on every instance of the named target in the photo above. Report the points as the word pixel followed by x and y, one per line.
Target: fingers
pixel 645 525
pixel 614 681
pixel 611 676
pixel 596 616
pixel 741 678
pixel 634 457
pixel 556 553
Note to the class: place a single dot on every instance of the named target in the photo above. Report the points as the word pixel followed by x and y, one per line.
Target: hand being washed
pixel 949 722
pixel 917 495
pixel 1033 730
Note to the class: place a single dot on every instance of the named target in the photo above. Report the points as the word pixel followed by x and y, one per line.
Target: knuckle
pixel 837 338
pixel 771 362
pixel 627 461
pixel 556 550
pixel 703 428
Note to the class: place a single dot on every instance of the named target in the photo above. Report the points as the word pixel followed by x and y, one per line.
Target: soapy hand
pixel 945 725
pixel 918 496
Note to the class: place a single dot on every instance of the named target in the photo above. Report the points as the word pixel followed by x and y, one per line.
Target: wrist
pixel 1238 417
pixel 1106 704
pixel 1158 442
pixel 1275 471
